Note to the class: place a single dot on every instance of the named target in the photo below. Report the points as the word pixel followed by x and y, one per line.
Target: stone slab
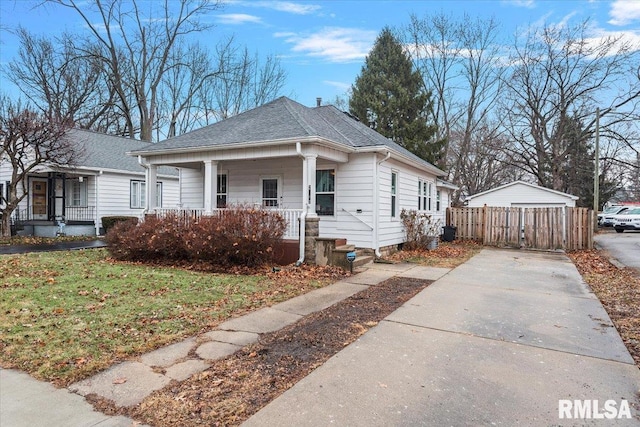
pixel 425 273
pixel 239 338
pixel 183 370
pixel 319 299
pixel 371 276
pixel 403 375
pixel 261 321
pixel 126 384
pixel 170 354
pixel 213 350
pixel 27 402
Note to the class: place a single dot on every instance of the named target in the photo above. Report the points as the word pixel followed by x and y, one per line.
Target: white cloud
pixel 333 44
pixel 238 18
pixel 624 12
pixel 529 4
pixel 281 6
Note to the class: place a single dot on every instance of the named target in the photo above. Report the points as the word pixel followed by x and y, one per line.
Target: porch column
pixel 210 186
pixel 311 180
pixel 152 188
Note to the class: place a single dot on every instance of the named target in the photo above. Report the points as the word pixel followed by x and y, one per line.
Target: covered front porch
pixel 57 203
pixel 297 182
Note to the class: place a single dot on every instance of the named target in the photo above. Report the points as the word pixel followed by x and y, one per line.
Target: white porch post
pixel 210 185
pixel 151 187
pixel 311 181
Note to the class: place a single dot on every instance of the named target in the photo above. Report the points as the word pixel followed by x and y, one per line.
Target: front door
pixel 39 199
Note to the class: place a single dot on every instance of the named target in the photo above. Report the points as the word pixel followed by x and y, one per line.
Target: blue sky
pixel 322 44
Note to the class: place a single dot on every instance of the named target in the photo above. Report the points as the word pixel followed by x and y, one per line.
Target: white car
pixel 629 220
pixel 605 219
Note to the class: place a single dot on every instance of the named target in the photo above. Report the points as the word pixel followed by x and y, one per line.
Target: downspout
pixel 305 204
pixel 376 192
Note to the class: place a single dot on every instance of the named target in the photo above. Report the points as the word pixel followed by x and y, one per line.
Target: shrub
pixel 420 229
pixel 109 221
pixel 238 235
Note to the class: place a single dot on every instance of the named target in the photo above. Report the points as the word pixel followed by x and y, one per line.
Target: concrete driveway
pixel 623 247
pixel 508 338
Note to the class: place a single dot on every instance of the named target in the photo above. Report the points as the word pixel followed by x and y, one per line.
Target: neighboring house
pixel 522 195
pixel 308 163
pixel 106 182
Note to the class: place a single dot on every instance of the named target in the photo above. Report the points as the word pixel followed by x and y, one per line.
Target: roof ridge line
pixel 298 118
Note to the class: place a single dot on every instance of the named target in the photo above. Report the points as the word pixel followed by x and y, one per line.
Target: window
pixel 422 195
pixel 77 193
pixel 429 196
pixel 138 196
pixel 270 192
pixel 394 193
pixel 438 198
pixel 221 192
pixel 2 196
pixel 325 192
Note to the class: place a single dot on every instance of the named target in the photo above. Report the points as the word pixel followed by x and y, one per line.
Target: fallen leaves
pixel 619 291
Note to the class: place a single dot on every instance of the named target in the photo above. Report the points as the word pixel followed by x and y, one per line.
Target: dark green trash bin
pixel 449 233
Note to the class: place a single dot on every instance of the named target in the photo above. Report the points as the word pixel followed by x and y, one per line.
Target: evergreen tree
pixel 389 95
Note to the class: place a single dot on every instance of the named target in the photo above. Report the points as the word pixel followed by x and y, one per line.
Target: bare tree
pixel 460 63
pixel 137 40
pixel 560 74
pixel 242 82
pixel 29 140
pixel 60 83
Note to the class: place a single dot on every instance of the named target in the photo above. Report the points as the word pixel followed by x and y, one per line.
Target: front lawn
pixel 67 315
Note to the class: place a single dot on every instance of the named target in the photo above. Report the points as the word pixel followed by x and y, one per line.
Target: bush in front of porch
pixel 236 236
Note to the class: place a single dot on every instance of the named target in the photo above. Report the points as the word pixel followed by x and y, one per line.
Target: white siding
pixel 354 191
pixel 114 194
pixel 391 231
pixel 521 195
pixel 192 188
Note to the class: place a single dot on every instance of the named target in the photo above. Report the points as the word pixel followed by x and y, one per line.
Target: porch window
pixel 394 193
pixel 77 193
pixel 270 192
pixel 325 192
pixel 429 196
pixel 221 192
pixel 438 197
pixel 138 195
pixel 422 195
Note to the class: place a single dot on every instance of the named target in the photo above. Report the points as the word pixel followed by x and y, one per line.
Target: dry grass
pixel 619 291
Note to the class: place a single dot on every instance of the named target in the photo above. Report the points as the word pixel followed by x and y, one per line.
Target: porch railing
pixel 76 213
pixel 291 216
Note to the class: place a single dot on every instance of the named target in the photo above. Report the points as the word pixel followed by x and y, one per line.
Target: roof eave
pixel 241 145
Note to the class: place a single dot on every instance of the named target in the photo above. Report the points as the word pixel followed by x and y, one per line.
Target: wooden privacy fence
pixel 533 228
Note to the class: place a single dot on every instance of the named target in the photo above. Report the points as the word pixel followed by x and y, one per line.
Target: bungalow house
pixel 521 194
pixel 332 177
pixel 106 182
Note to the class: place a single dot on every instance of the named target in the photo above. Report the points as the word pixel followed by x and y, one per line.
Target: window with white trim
pixel 138 195
pixel 438 199
pixel 394 194
pixel 325 192
pixel 429 196
pixel 76 193
pixel 422 195
pixel 270 192
pixel 221 192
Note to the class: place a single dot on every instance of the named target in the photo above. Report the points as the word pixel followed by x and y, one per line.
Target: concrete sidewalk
pixel 500 340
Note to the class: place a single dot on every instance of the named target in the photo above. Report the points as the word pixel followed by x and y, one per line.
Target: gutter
pixel 305 204
pixel 376 185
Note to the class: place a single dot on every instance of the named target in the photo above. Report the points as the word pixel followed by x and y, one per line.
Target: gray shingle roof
pixel 102 151
pixel 283 119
